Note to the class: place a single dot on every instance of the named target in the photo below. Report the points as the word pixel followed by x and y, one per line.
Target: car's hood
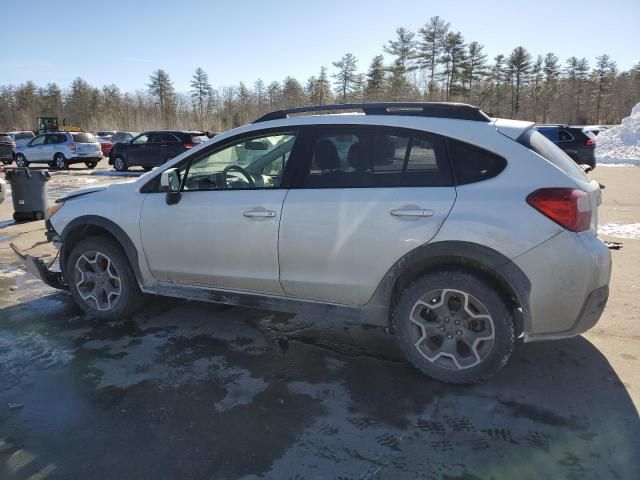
pixel 80 192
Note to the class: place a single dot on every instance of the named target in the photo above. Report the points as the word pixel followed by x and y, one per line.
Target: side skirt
pixel 372 315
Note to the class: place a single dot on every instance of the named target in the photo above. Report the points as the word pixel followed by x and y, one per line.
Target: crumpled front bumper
pixel 35 266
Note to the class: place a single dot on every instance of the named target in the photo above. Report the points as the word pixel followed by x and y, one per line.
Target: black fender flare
pixel 453 253
pixel 85 222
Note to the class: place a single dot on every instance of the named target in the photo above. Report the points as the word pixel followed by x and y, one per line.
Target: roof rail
pixel 459 111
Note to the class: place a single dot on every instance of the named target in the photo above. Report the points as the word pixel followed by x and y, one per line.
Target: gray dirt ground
pixel 189 390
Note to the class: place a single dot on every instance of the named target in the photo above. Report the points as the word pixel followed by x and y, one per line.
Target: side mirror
pixel 170 183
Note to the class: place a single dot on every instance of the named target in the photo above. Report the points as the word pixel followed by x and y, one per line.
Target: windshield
pixel 534 140
pixel 83 137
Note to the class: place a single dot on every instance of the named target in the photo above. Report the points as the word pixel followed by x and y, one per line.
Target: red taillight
pixel 72 146
pixel 189 145
pixel 590 143
pixel 567 207
pixel 13 144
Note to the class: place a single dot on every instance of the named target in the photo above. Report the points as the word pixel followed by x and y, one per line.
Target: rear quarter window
pixel 473 164
pixel 83 137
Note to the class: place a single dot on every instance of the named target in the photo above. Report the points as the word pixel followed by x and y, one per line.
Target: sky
pixel 122 42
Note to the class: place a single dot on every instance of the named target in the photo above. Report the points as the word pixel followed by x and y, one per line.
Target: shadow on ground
pixel 189 390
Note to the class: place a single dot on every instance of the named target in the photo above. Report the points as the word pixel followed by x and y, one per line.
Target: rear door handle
pixel 259 214
pixel 411 212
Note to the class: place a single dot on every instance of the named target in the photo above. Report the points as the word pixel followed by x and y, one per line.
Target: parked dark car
pixel 150 149
pixel 574 141
pixel 6 148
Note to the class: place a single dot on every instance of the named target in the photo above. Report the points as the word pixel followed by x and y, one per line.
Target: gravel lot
pixel 191 390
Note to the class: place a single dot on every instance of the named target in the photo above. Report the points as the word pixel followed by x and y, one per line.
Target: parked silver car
pixel 60 149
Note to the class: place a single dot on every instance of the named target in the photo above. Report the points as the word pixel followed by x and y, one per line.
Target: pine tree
pixel 537 76
pixel 475 67
pixel 403 49
pixel 292 93
pixel 375 78
pixel 161 87
pixel 453 58
pixel 582 77
pixel 274 91
pixel 323 87
pixel 551 71
pixel 346 75
pixel 520 64
pixel 201 90
pixel 497 78
pixel 430 47
pixel 260 91
pixel 603 76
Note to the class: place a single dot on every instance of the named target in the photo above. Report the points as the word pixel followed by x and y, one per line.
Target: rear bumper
pixel 569 277
pixel 85 159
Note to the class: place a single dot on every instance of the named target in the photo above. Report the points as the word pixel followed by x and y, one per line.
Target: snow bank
pixel 620 230
pixel 620 145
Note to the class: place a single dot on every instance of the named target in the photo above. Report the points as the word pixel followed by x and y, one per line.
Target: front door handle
pixel 411 212
pixel 259 214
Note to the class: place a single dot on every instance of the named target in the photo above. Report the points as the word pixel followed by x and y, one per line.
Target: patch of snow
pixel 620 230
pixel 620 145
pixel 11 272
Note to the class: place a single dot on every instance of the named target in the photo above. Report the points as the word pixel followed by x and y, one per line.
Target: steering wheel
pixel 239 169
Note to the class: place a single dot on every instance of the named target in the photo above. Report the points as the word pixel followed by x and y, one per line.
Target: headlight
pixel 54 208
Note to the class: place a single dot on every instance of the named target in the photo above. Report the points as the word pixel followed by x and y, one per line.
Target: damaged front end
pixel 36 266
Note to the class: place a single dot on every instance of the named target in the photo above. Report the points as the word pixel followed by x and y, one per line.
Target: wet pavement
pixel 190 390
pixel 200 391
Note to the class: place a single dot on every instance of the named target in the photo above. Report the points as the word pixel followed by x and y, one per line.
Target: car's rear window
pixel 537 142
pixel 199 138
pixel 83 137
pixel 5 138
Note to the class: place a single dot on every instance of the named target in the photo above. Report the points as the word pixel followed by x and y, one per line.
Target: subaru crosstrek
pixel 455 231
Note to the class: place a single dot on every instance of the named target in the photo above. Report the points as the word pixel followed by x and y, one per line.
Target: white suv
pixel 455 231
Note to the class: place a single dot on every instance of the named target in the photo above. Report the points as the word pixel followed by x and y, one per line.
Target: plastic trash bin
pixel 29 193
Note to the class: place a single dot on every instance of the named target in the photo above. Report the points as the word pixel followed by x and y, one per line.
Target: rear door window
pixel 83 137
pixel 351 157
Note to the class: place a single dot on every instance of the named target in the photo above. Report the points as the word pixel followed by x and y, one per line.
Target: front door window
pixel 257 162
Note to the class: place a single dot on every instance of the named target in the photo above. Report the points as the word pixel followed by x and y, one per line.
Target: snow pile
pixel 620 230
pixel 621 144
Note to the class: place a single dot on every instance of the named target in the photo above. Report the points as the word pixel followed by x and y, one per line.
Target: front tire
pixel 120 164
pixel 21 161
pixel 101 279
pixel 454 327
pixel 60 161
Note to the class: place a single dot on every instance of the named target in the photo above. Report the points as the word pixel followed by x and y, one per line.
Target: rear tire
pixel 454 327
pixel 60 161
pixel 101 279
pixel 7 162
pixel 21 161
pixel 120 164
pixel 147 169
pixel 90 165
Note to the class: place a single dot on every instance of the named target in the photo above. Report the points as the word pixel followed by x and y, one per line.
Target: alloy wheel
pixel 452 329
pixel 97 280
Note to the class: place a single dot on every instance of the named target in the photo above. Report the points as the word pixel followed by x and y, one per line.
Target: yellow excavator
pixel 50 124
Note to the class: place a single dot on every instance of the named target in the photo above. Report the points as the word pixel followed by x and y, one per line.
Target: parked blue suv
pixel 574 141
